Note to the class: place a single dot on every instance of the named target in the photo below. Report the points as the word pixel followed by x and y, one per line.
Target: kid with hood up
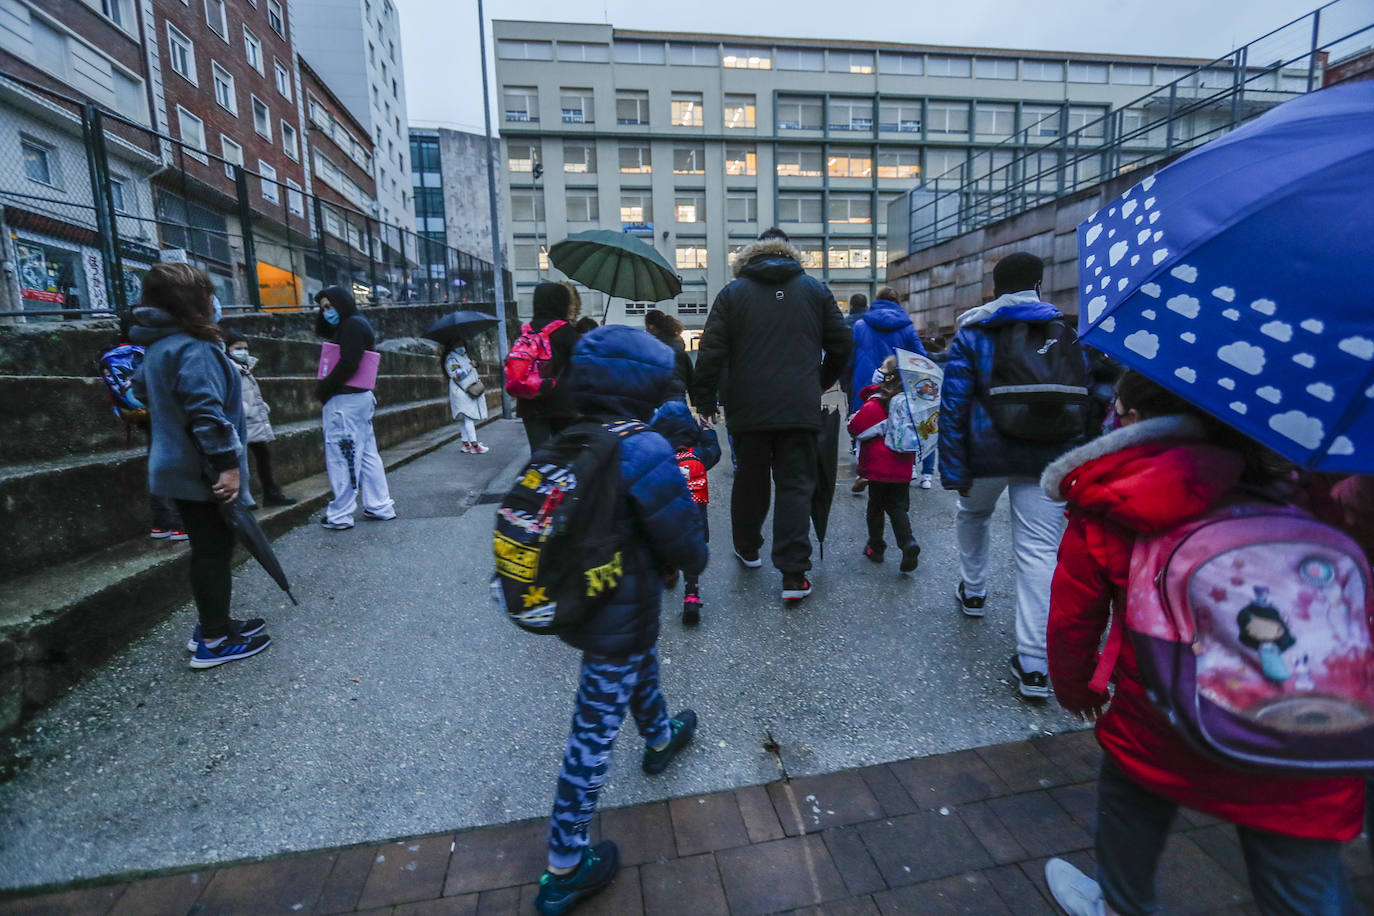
pixel 698 450
pixel 257 416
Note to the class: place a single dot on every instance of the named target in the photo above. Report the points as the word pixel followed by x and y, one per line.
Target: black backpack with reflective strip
pixel 558 557
pixel 1038 390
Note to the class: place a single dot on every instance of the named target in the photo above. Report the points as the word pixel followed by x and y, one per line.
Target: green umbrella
pixel 616 264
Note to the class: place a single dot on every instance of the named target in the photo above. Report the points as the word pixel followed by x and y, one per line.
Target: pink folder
pixel 365 377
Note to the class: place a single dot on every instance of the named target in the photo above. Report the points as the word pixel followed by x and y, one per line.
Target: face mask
pixel 331 315
pixel 461 351
pixel 218 312
pixel 239 356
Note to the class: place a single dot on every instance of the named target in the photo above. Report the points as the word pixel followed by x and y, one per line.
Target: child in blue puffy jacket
pixel 698 450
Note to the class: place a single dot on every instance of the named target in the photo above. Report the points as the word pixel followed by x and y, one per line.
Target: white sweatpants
pixel 469 428
pixel 1037 526
pixel 350 456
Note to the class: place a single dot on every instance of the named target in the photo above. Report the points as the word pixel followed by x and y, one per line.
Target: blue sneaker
pixel 683 726
pixel 560 893
pixel 232 649
pixel 250 627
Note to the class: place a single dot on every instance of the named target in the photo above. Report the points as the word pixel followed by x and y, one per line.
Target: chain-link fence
pixel 95 200
pixel 1064 152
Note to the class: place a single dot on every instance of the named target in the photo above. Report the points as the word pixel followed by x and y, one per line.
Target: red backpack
pixel 526 360
pixel 1252 628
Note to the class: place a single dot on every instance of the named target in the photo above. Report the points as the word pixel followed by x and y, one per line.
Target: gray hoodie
pixel 195 405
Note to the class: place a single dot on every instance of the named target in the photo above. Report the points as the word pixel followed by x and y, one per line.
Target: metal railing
pixel 1053 158
pixel 95 199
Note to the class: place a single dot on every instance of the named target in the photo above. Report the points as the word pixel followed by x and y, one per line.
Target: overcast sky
pixel 443 77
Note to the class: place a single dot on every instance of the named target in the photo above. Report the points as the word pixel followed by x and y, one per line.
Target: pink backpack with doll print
pixel 1252 628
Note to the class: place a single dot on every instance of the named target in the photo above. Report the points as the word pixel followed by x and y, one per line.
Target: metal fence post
pixel 1312 52
pixel 369 238
pixel 321 251
pixel 103 205
pixel 250 252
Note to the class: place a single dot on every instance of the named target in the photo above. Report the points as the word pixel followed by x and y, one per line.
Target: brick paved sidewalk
pixel 958 833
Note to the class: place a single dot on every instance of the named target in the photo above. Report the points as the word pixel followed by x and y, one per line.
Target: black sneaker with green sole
pixel 560 893
pixel 683 725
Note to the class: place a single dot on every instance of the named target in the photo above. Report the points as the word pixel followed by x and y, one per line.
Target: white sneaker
pixel 479 449
pixel 1075 892
pixel 926 482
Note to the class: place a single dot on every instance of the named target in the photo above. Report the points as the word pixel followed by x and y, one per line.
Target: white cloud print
pixel 1298 426
pixel 1144 343
pixel 1244 356
pixel 1362 347
pixel 1187 374
pixel 1185 305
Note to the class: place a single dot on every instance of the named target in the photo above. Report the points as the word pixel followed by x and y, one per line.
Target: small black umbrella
pixel 255 541
pixel 458 324
pixel 827 466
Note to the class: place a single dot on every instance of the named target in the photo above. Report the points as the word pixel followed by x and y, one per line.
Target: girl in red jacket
pixel 1165 466
pixel 888 473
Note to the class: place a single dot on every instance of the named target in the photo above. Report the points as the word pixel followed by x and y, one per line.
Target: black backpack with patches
pixel 558 557
pixel 1038 389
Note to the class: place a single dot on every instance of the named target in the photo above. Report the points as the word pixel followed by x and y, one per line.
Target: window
pixel 799 207
pixel 117 194
pixel 636 159
pixel 216 18
pixel 270 190
pixel 851 61
pixel 275 18
pixel 903 117
pixel 636 207
pixel 681 55
pixel 119 12
pixel 1040 120
pixel 522 155
pixel 1166 75
pixel 905 64
pixel 994 68
pixel 947 66
pixel 224 89
pixel 799 161
pixel 576 105
pixel 522 103
pixel 899 163
pixel 994 169
pixel 1128 75
pixel 800 59
pixel 747 58
pixel 690 254
pixel 851 114
pixel 524 50
pixel 289 144
pixel 262 118
pixel 1046 71
pixel 39 163
pixel 283 80
pixel 799 112
pixel 192 131
pixel 845 255
pixel 1042 172
pixel 579 159
pixel 631 107
pixel 741 160
pixel 851 208
pixel 181 53
pixel 855 163
pixel 689 206
pixel 530 255
pixel 739 111
pixel 742 206
pixel 526 204
pixel 636 308
pixel 945 167
pixel 232 154
pixel 811 252
pixel 687 109
pixel 252 48
pixel 582 51
pixel 994 120
pixel 947 118
pixel 1089 120
pixel 396 94
pixel 584 206
pixel 689 160
pixel 1087 73
pixel 639 52
pixel 295 200
pixel 692 306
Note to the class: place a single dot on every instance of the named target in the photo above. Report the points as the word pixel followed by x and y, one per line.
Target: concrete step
pixel 58 623
pixel 47 416
pixel 59 509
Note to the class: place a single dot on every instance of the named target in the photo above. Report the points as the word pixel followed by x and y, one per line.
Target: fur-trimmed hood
pixel 1151 430
pixel 768 260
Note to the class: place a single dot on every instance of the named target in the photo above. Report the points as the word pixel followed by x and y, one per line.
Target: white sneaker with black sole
pixel 1075 892
pixel 1033 685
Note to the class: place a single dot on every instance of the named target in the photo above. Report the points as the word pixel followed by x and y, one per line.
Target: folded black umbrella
pixel 827 466
pixel 255 541
pixel 458 324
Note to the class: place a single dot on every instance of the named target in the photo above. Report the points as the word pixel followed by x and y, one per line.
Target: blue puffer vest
pixel 623 373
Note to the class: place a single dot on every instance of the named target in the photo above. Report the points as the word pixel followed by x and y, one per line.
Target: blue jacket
pixel 970 446
pixel 618 373
pixel 674 421
pixel 884 328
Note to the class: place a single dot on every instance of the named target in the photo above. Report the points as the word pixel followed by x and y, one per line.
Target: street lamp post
pixel 498 278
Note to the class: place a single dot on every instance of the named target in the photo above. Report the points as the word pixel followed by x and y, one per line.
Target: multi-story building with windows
pixel 696 142
pixel 452 205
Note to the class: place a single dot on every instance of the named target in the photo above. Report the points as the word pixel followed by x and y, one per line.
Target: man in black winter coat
pixel 781 339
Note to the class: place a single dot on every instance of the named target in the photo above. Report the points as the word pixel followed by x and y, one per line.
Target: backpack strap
pixel 1111 651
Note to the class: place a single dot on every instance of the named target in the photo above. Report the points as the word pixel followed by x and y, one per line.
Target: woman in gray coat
pixel 197 457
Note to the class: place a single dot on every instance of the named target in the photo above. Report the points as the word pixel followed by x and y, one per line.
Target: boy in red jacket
pixel 888 473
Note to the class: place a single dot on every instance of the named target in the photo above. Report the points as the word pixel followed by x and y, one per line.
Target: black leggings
pixel 212 550
pixel 892 500
pixel 263 455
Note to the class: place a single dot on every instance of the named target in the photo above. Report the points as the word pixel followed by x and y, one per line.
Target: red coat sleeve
pixel 1080 610
pixel 869 415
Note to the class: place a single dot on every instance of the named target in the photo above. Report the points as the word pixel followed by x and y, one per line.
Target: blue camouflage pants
pixel 607 687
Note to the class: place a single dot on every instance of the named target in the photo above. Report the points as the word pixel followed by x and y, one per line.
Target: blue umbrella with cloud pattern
pixel 1241 277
